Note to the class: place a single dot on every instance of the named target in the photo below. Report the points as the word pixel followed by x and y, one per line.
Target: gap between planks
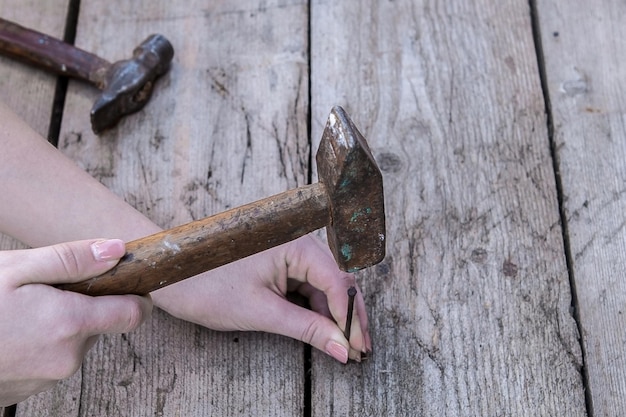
pixel 307 408
pixel 9 411
pixel 541 67
pixel 58 103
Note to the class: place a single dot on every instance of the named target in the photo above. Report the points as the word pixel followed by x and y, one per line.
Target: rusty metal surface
pixel 127 85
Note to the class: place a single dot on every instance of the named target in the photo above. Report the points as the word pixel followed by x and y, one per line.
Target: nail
pixel 107 250
pixel 337 351
pixel 368 344
pixel 351 294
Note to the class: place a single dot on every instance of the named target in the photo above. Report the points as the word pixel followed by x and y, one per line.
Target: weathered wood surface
pixel 584 51
pixel 470 312
pixel 225 126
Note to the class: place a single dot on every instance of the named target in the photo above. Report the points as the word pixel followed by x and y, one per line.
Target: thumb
pixel 67 262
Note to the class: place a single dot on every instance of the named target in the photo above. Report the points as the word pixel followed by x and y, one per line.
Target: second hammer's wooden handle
pixel 49 53
pixel 172 255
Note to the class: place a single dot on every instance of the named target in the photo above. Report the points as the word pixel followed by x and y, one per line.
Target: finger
pixel 311 261
pixel 359 305
pixel 317 299
pixel 64 262
pixel 305 325
pixel 114 314
pixel 319 303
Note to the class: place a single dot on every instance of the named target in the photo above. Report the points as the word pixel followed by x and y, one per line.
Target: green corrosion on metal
pixel 360 213
pixel 346 251
pixel 350 175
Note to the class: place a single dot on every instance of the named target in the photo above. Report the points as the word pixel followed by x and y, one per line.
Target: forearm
pixel 46 198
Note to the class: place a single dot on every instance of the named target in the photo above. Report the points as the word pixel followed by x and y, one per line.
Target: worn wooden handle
pixel 49 53
pixel 172 255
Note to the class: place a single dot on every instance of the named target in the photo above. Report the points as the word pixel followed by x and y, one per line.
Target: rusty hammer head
pixel 354 185
pixel 127 85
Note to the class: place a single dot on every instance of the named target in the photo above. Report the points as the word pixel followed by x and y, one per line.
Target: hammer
pixel 126 85
pixel 348 200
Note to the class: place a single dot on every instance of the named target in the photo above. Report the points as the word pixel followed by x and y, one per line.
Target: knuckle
pixel 64 323
pixel 68 330
pixel 348 278
pixel 67 366
pixel 72 345
pixel 310 332
pixel 68 259
pixel 68 360
pixel 134 317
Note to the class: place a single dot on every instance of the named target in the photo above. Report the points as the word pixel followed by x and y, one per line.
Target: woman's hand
pixel 45 331
pixel 251 295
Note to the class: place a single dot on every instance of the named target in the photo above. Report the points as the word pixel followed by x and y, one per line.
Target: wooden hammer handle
pixel 172 255
pixel 49 53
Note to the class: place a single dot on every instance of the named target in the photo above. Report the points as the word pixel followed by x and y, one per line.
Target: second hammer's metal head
pixel 128 84
pixel 354 183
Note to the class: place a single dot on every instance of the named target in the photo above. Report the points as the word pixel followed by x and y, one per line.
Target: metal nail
pixel 351 295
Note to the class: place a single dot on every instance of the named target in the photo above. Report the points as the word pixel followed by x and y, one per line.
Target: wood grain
pixel 225 126
pixel 584 49
pixel 470 312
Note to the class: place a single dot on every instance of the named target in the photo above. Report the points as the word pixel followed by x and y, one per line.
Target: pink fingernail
pixel 107 250
pixel 337 351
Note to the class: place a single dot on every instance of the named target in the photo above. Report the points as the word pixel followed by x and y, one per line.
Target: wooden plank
pixel 583 46
pixel 29 91
pixel 225 126
pixel 470 311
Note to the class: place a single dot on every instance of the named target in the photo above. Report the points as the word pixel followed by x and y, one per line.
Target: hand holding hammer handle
pixel 182 252
pixel 348 200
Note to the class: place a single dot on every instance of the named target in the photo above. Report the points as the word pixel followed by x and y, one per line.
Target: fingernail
pixel 337 351
pixel 107 250
pixel 355 355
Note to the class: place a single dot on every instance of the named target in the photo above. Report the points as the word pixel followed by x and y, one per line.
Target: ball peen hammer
pixel 126 85
pixel 348 200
